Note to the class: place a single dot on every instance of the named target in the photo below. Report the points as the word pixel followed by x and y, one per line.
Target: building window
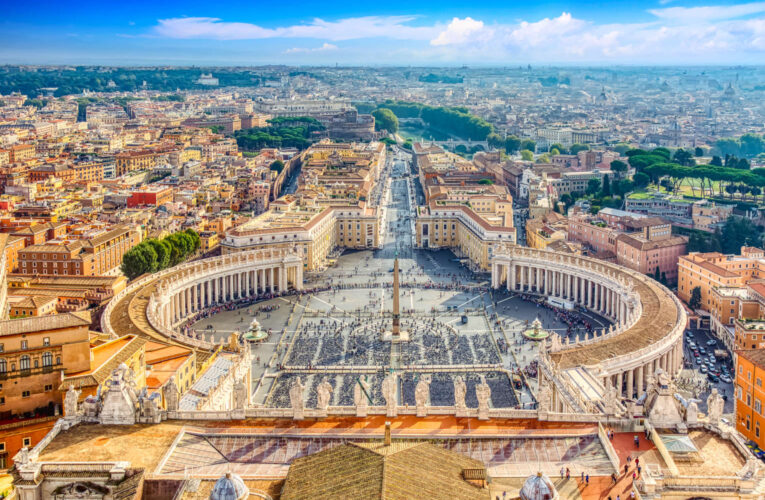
pixel 757 405
pixel 47 359
pixel 24 345
pixel 48 387
pixel 25 394
pixel 26 442
pixel 24 363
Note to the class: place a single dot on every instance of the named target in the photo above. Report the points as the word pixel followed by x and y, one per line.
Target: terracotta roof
pixel 404 469
pixel 44 323
pixel 756 356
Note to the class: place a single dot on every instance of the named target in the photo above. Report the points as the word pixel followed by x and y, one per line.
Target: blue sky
pixel 415 32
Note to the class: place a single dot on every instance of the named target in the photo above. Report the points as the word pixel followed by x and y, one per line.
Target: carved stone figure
pixel 360 392
pixel 170 393
pixel 70 401
pixel 296 398
pixel 389 392
pixel 422 395
pixel 663 378
pixel 460 390
pixel 544 398
pixel 611 401
pixel 692 413
pixel 483 394
pixel 323 394
pixel 714 407
pixel 240 395
pixel 22 457
pixel 120 400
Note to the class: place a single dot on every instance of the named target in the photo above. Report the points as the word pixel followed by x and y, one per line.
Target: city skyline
pixel 664 32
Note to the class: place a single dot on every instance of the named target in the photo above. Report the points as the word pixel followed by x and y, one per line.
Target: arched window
pixel 24 362
pixel 3 366
pixel 47 359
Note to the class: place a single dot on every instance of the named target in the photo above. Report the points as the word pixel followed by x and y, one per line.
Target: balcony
pixel 31 371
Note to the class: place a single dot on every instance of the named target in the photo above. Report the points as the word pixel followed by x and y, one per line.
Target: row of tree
pixel 292 132
pixel 152 255
pixel 737 232
pixel 746 146
pixel 455 120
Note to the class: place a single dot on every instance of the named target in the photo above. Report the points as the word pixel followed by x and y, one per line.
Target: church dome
pixel 229 487
pixel 538 487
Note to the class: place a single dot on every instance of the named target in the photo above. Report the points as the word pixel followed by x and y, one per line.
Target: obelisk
pixel 396 330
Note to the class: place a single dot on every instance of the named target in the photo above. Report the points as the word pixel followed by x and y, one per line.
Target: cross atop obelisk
pixel 396 330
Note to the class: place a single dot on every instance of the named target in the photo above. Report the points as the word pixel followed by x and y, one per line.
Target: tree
pixel 527 155
pixel 277 165
pixel 529 144
pixel 486 182
pixel 695 301
pixel 561 149
pixel 579 147
pixel 619 166
pixel 593 186
pixel 698 151
pixel 554 152
pixel 386 120
pixel 684 157
pixel 140 259
pixel 512 144
pixel 657 274
pixel 641 180
pixel 606 186
pixel 162 249
pixel 717 161
pixel 495 140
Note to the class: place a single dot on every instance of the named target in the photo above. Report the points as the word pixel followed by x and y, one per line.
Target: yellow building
pixel 317 229
pixel 470 234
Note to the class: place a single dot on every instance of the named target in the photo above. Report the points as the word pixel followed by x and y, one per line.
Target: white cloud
pixel 708 35
pixel 300 50
pixel 395 27
pixel 460 31
pixel 708 13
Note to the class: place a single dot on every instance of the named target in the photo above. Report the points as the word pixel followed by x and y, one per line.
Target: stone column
pixel 512 276
pixel 568 286
pixel 640 380
pixel 630 383
pixel 271 279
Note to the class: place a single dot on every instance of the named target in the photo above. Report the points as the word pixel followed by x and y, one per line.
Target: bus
pixel 561 303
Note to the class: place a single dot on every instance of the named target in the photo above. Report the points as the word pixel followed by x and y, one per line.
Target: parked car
pixel 711 342
pixel 725 378
pixel 703 369
pixel 714 378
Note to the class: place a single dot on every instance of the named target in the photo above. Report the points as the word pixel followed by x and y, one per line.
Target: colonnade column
pixel 630 383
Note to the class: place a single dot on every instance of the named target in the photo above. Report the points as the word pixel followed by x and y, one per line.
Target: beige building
pixel 470 232
pixel 317 229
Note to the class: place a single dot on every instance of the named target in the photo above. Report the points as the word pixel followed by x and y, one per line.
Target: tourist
pixel 587 480
pixel 568 473
pixel 637 441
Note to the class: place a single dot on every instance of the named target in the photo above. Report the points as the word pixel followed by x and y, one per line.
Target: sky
pixel 396 32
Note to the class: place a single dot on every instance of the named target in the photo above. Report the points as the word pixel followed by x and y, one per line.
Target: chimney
pixel 387 433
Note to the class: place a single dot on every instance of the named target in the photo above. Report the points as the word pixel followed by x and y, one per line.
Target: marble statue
pixel 389 392
pixel 692 413
pixel 70 401
pixel 663 378
pixel 120 400
pixel 323 394
pixel 715 407
pixel 611 401
pixel 240 395
pixel 483 394
pixel 170 393
pixel 22 457
pixel 544 398
pixel 296 398
pixel 422 395
pixel 460 390
pixel 360 392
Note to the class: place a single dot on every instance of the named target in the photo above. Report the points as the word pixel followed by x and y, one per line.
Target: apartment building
pixel 750 395
pixel 96 253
